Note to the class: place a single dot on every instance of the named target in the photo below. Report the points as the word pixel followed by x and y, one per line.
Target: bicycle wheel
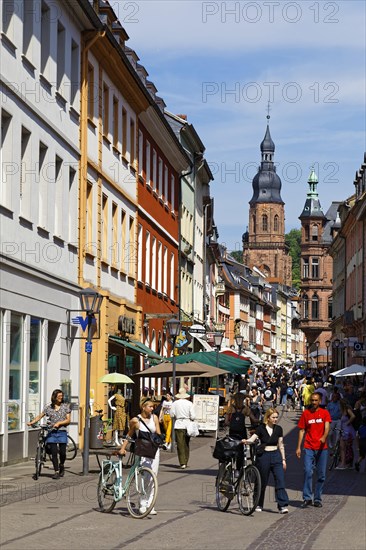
pixel 335 458
pixel 106 482
pixel 38 463
pixel 249 489
pixel 224 486
pixel 70 448
pixel 141 492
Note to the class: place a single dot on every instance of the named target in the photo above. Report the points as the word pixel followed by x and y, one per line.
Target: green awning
pixel 137 347
pixel 226 362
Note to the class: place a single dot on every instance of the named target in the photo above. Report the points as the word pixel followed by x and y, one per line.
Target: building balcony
pixel 219 289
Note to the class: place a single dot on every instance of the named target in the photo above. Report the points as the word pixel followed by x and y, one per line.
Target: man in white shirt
pixel 182 411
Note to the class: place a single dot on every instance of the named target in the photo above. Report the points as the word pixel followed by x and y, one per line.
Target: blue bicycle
pixel 140 488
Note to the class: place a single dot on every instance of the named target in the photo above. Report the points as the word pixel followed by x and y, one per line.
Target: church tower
pixel 316 268
pixel 264 244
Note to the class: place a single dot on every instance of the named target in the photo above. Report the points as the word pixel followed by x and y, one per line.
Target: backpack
pixel 268 394
pixel 237 423
pixel 290 391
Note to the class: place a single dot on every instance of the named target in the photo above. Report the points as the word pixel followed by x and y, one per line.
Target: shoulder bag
pixel 147 443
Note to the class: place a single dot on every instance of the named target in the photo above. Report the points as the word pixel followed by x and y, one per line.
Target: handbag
pixel 147 443
pixel 192 429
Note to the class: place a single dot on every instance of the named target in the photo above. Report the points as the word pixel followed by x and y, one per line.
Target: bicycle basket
pixel 226 448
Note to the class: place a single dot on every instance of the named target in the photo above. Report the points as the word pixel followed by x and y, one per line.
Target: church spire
pixel 312 206
pixel 266 183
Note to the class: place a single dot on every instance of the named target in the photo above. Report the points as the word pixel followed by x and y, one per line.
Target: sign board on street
pixel 207 411
pixel 197 329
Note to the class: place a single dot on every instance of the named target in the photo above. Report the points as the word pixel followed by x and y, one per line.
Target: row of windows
pixel 117 241
pixel 310 308
pixel 155 172
pixel 46 44
pixel 311 233
pixel 266 224
pixel 159 264
pixel 41 174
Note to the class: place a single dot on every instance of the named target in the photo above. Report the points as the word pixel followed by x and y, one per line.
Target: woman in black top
pixel 272 459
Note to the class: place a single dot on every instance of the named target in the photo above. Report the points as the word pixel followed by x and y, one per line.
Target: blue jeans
pixel 271 461
pixel 314 460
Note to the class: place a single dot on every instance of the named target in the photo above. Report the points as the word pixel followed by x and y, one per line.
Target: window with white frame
pixel 43 185
pixel 8 166
pixel 148 163
pixel 165 278
pixel 59 197
pixel 166 176
pixel 45 41
pixel 141 152
pixel 160 177
pixel 75 79
pixel 28 28
pixel 172 193
pixel 154 169
pixel 8 15
pixel 72 206
pixel 26 173
pixel 153 263
pixel 139 253
pixel 160 267
pixel 172 278
pixel 61 46
pixel 315 268
pixel 147 258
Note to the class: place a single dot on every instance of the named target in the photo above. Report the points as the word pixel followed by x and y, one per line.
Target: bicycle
pixel 246 487
pixel 336 452
pixel 140 488
pixel 41 451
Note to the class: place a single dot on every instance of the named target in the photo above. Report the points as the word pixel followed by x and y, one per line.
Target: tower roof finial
pixel 268 110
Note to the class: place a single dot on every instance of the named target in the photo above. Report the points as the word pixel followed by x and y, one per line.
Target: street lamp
pixel 317 344
pixel 91 302
pixel 296 353
pixel 239 342
pixel 173 327
pixel 218 336
pixel 327 343
pixel 336 344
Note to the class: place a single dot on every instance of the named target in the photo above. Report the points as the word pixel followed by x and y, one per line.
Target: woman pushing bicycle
pixel 146 422
pixel 58 417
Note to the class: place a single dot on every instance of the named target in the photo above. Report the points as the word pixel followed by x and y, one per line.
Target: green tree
pixel 293 241
pixel 237 255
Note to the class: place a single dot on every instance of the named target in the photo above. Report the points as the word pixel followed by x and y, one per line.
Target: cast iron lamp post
pixel 91 302
pixel 173 327
pixel 327 343
pixel 239 343
pixel 336 344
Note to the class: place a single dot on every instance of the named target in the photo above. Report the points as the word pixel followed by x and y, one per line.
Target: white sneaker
pixel 283 510
pixel 142 509
pixel 259 509
pixel 153 512
pixel 183 467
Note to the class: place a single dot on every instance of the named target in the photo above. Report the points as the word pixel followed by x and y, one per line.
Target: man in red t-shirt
pixel 314 423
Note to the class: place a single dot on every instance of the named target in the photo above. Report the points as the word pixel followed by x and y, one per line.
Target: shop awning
pixel 230 364
pixel 137 347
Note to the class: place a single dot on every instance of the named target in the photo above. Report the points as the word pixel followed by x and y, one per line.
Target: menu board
pixel 207 411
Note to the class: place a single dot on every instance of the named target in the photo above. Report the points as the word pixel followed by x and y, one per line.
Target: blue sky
pixel 306 57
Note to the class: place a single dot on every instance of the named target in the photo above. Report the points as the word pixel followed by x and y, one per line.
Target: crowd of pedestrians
pixel 329 408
